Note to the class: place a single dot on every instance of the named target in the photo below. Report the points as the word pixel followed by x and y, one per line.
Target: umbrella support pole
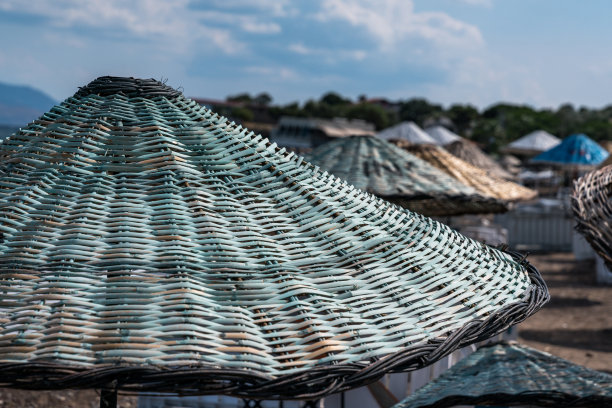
pixel 108 398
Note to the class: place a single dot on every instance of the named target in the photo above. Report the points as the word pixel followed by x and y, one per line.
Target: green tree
pixel 334 99
pixel 463 117
pixel 242 114
pixel 263 99
pixel 370 113
pixel 243 97
pixel 418 110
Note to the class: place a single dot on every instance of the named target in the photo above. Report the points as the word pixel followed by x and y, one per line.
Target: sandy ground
pixel 575 325
pixel 577 322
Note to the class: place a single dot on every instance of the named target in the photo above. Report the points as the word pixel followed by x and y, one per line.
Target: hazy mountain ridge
pixel 6 131
pixel 22 104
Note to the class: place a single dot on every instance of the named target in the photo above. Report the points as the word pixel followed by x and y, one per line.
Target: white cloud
pixel 168 21
pixel 276 8
pixel 275 72
pixel 261 28
pixel 246 22
pixel 300 49
pixel 328 55
pixel 390 22
pixel 485 3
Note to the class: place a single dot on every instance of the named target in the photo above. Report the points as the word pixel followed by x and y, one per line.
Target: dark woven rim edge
pixel 449 205
pixel 316 382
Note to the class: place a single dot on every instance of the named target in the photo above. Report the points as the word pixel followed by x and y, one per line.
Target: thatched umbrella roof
pixel 592 207
pixel 150 245
pixel 606 144
pixel 469 152
pixel 383 169
pixel 471 175
pixel 512 374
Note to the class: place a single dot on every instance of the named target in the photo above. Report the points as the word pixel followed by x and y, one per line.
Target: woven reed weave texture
pixel 511 374
pixel 606 144
pixel 469 152
pixel 147 241
pixel 592 208
pixel 383 169
pixel 470 175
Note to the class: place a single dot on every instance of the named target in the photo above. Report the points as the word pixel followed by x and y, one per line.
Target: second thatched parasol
pixel 381 168
pixel 471 175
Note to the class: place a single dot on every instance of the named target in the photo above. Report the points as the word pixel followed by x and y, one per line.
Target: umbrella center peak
pixel 110 85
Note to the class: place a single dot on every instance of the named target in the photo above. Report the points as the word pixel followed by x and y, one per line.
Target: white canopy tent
pixel 408 131
pixel 442 135
pixel 533 143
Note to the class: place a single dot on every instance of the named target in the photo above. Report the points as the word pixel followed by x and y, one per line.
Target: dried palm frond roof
pixel 383 169
pixel 606 144
pixel 592 208
pixel 469 152
pixel 505 374
pixel 150 245
pixel 470 175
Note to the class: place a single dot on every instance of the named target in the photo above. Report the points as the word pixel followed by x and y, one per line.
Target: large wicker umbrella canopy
pixel 592 207
pixel 512 374
pixel 381 168
pixel 470 175
pixel 150 244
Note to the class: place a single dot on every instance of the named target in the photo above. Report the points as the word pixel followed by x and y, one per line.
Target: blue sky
pixel 538 52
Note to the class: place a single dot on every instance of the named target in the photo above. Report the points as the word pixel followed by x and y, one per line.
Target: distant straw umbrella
pixel 510 375
pixel 467 151
pixel 381 168
pixel 471 175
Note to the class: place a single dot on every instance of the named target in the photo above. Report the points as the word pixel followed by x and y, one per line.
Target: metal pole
pixel 108 398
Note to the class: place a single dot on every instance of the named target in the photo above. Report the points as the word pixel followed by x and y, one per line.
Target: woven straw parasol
pixel 471 175
pixel 511 374
pixel 469 152
pixel 381 168
pixel 606 144
pixel 592 209
pixel 150 245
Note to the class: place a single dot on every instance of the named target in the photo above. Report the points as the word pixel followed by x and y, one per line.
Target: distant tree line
pixel 492 127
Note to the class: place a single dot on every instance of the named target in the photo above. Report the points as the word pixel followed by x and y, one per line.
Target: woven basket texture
pixel 471 175
pixel 511 374
pixel 383 169
pixel 148 243
pixel 469 152
pixel 592 208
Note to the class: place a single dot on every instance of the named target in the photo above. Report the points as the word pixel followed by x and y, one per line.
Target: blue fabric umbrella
pixel 577 149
